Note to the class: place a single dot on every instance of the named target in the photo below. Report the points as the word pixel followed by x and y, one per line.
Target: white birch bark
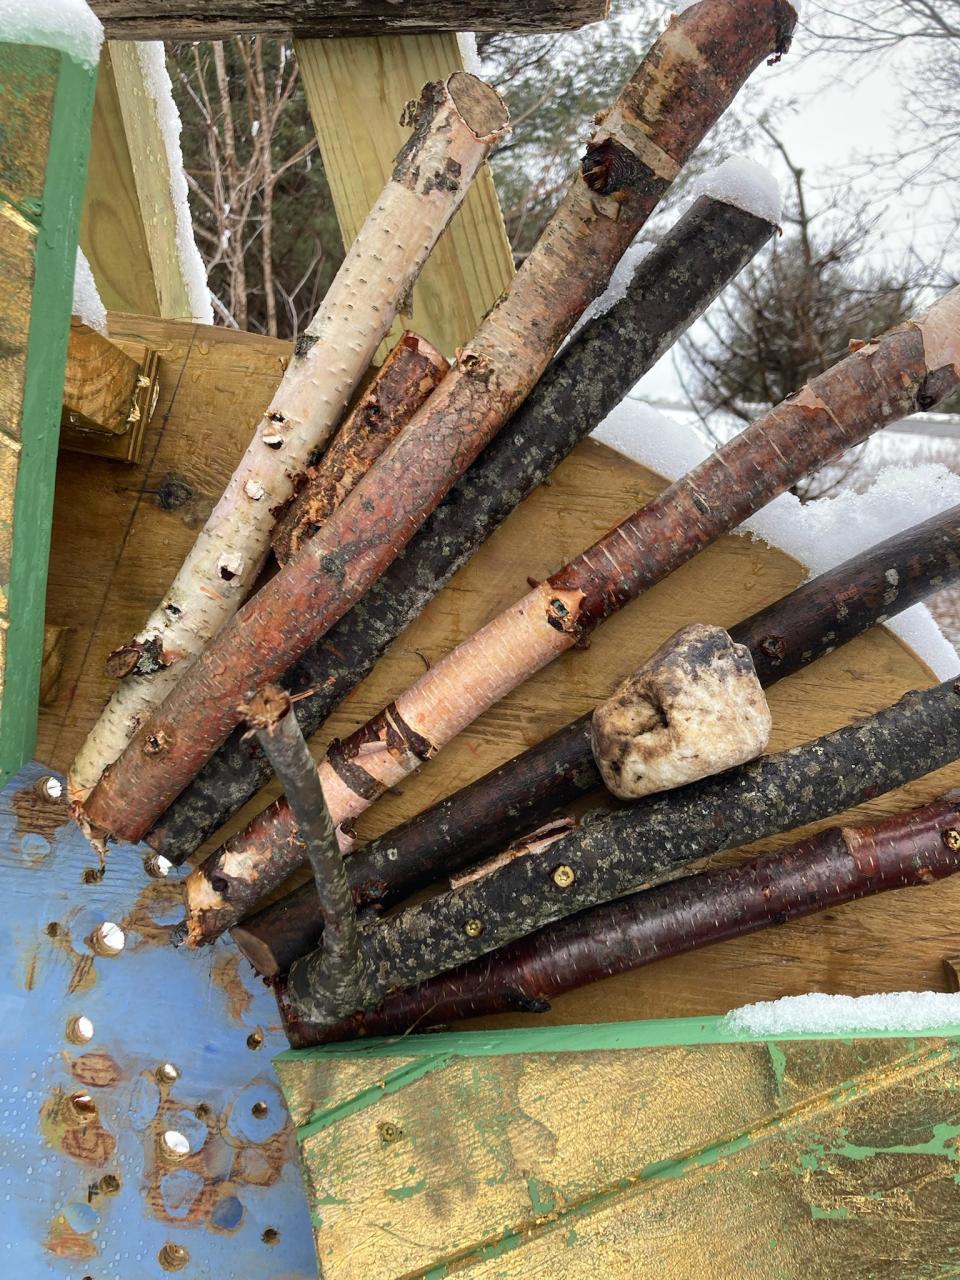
pixel 455 125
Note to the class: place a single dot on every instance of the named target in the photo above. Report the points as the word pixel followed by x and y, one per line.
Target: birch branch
pixel 671 287
pixel 906 369
pixel 455 124
pixel 474 823
pixel 333 970
pixel 684 84
pixel 839 865
pixel 412 370
pixel 622 852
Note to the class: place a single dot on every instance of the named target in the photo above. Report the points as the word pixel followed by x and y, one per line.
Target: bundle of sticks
pixel 370 514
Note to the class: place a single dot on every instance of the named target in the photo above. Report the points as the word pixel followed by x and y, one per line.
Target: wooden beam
pixel 54 653
pixel 218 19
pixel 45 111
pixel 129 227
pixel 110 391
pixel 472 263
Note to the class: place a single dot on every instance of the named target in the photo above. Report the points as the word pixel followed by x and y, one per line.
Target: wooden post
pixel 472 263
pixel 45 110
pixel 129 227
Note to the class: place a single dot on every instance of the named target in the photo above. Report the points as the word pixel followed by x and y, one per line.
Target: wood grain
pixel 100 383
pixel 472 263
pixel 214 384
pixel 219 19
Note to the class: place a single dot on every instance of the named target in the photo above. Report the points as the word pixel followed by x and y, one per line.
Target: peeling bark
pixel 485 816
pixel 455 124
pixel 872 387
pixel 672 286
pixel 693 709
pixel 688 79
pixel 622 852
pixel 842 864
pixel 412 370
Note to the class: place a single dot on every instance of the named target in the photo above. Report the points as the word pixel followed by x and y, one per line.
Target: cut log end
pixel 480 105
pixel 695 709
pixel 267 708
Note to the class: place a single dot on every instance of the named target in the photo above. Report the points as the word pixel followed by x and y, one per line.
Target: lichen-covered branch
pixel 455 124
pixel 622 852
pixel 412 370
pixel 671 287
pixel 892 376
pixel 680 89
pixel 482 818
pixel 841 864
pixel 334 969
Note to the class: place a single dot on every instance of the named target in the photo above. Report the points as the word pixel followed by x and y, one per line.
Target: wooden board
pixel 646 1150
pixel 215 383
pixel 46 100
pixel 220 19
pixel 356 90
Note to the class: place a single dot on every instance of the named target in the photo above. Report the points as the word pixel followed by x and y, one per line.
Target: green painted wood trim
pixel 651 1034
pixel 55 260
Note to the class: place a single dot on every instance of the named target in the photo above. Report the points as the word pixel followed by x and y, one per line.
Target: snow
pixel 745 184
pixel 467 43
pixel 87 305
pixel 67 25
pixel 822 533
pixel 156 80
pixel 896 1011
pixel 617 285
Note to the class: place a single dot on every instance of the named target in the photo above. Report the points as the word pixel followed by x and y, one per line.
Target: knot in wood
pixel 611 169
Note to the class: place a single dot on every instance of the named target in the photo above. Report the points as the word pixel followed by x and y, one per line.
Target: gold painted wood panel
pixel 214 383
pixel 356 90
pixel 771 1159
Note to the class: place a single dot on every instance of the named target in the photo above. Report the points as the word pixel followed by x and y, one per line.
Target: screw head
pixel 473 928
pixel 564 876
pixel 951 838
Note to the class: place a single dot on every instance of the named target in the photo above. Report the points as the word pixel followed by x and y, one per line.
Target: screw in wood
pixel 951 838
pixel 564 876
pixel 473 928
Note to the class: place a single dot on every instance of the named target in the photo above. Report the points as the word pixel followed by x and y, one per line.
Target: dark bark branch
pixel 836 866
pixel 671 288
pixel 485 816
pixel 622 852
pixel 333 970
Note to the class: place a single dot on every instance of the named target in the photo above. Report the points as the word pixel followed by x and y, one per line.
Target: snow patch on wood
pixel 87 303
pixel 745 184
pixel 819 1013
pixel 68 25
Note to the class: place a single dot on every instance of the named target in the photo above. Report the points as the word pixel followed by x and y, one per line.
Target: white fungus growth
pixel 156 80
pixel 745 184
pixel 896 1011
pixel 87 303
pixel 68 25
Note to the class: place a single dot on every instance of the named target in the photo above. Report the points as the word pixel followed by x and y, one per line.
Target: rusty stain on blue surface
pixel 94 1181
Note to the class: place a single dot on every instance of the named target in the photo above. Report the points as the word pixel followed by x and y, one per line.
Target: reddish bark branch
pixel 412 370
pixel 685 83
pixel 839 865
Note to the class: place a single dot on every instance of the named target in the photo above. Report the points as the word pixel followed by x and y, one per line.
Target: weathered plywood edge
pixel 54 263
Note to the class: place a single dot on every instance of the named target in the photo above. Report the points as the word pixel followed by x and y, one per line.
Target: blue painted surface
pixel 149 1005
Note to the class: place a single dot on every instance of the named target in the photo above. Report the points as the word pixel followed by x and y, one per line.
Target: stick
pixel 621 852
pixel 412 370
pixel 841 864
pixel 334 969
pixel 672 286
pixel 455 125
pixel 485 816
pixel 684 84
pixel 879 382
